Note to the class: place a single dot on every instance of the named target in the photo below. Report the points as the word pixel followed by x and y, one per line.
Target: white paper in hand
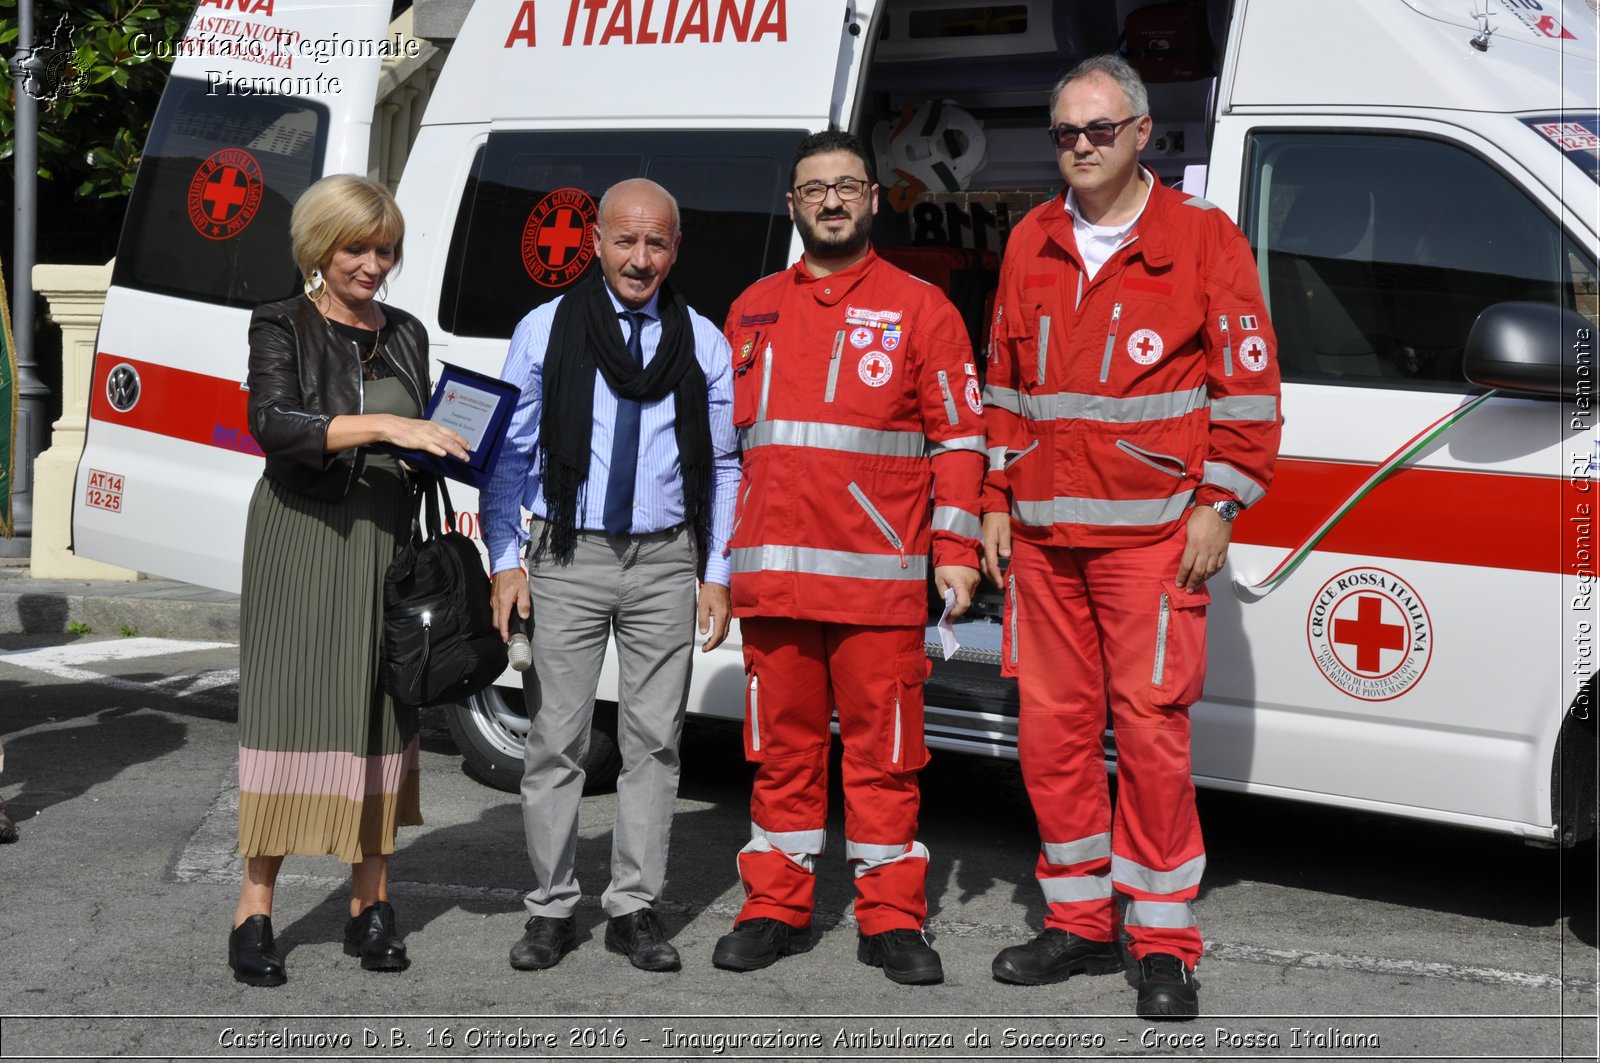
pixel 947 630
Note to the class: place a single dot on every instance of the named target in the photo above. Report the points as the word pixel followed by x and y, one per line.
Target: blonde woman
pixel 327 762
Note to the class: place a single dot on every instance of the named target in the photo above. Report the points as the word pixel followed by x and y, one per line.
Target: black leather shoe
pixel 640 936
pixel 1054 956
pixel 253 954
pixel 8 829
pixel 905 956
pixel 372 936
pixel 545 939
pixel 752 945
pixel 1166 989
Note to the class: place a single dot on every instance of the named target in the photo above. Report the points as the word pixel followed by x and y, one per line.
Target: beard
pixel 820 244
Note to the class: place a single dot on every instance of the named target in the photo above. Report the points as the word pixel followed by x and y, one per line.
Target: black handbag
pixel 439 639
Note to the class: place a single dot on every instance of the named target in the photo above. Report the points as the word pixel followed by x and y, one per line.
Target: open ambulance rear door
pixel 264 99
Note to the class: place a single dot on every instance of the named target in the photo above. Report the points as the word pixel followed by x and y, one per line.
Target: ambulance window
pixel 209 215
pixel 521 235
pixel 1378 252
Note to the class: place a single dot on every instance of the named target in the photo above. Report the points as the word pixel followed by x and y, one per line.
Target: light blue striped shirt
pixel 658 485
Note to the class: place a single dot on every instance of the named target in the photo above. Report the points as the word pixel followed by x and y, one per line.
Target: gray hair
pixel 1114 67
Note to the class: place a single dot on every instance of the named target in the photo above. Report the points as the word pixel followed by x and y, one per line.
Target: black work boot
pixel 1166 989
pixel 8 829
pixel 1055 956
pixel 752 945
pixel 904 954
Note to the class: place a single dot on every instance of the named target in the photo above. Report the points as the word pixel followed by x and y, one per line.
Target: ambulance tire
pixel 491 727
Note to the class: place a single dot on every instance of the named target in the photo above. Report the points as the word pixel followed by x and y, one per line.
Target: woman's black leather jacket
pixel 303 374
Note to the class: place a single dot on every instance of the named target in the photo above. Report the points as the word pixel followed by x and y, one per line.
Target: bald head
pixel 636 239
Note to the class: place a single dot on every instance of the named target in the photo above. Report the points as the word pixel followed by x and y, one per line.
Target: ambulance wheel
pixel 491 728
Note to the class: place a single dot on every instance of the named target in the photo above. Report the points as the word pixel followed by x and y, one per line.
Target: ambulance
pixel 1405 624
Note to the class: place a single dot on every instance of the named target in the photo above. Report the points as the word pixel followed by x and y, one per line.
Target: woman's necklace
pixel 366 359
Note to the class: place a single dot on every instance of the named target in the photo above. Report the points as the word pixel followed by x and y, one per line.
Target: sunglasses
pixel 1099 134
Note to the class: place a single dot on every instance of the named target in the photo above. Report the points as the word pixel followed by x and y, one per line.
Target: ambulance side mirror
pixel 1534 348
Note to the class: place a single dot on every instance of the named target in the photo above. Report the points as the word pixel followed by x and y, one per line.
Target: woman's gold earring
pixel 316 288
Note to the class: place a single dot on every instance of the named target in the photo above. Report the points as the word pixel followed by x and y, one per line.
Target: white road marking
pixel 62 662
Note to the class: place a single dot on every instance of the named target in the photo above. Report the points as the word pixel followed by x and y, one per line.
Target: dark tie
pixel 618 516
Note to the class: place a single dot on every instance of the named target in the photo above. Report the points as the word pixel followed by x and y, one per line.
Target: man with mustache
pixel 622 448
pixel 857 401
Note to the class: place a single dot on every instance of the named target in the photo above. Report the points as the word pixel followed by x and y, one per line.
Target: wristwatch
pixel 1227 509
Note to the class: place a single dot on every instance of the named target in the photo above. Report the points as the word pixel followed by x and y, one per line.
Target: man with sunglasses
pixel 857 402
pixel 1132 410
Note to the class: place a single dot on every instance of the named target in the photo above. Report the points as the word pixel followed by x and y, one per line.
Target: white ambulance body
pixel 1398 165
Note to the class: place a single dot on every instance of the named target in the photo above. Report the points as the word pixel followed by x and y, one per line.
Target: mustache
pixel 637 273
pixel 829 215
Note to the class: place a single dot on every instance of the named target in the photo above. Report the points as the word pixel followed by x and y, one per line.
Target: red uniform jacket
pixel 1114 404
pixel 860 416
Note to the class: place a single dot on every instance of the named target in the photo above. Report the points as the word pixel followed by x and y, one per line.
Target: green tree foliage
pixel 93 130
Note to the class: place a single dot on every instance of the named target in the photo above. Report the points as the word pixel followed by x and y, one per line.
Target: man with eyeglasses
pixel 1132 410
pixel 859 413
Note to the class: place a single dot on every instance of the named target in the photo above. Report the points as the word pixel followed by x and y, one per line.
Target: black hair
pixel 827 142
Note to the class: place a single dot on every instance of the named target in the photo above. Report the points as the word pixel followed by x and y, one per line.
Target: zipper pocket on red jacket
pixel 1111 341
pixel 1044 345
pixel 949 400
pixel 877 518
pixel 1167 463
pixel 766 383
pixel 755 713
pixel 833 366
pixel 1227 346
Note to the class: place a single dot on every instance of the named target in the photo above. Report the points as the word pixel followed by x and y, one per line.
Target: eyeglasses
pixel 848 189
pixel 1100 134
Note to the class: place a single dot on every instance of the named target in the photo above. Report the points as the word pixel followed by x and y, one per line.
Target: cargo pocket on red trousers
pixel 1178 675
pixel 906 747
pixel 1009 651
pixel 752 709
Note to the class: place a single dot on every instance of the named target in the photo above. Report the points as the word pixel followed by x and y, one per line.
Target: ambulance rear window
pixel 523 234
pixel 209 215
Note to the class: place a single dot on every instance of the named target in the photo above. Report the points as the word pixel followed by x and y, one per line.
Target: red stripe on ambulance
pixel 1478 519
pixel 176 403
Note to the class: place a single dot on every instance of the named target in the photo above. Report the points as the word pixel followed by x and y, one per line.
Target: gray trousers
pixel 643 587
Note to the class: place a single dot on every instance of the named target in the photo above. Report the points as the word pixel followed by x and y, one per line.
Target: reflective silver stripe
pixel 1011 589
pixel 791 841
pixel 949 399
pixel 1106 512
pixel 1070 888
pixel 1094 847
pixel 868 858
pixel 806 862
pixel 1245 408
pixel 944 446
pixel 822 436
pixel 997 459
pixel 1202 204
pixel 1231 479
pixel 1044 344
pixel 766 383
pixel 1163 623
pixel 1148 880
pixel 1014 456
pixel 1169 915
pixel 951 519
pixel 815 562
pixel 1167 463
pixel 1079 406
pixel 833 366
pixel 1004 398
pixel 894 757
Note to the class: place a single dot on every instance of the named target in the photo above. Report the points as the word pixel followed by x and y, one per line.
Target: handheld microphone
pixel 519 651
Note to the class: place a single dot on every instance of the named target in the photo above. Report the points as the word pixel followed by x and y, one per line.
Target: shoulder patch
pixel 1201 204
pixel 758 319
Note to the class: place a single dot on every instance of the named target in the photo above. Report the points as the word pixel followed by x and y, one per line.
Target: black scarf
pixel 585 336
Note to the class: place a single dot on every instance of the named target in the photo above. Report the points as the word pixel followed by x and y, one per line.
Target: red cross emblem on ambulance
pixel 875 369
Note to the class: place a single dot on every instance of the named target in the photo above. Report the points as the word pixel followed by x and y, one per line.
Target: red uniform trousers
pixel 1092 625
pixel 797 673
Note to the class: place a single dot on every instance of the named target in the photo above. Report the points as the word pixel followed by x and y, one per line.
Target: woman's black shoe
pixel 371 935
pixel 253 954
